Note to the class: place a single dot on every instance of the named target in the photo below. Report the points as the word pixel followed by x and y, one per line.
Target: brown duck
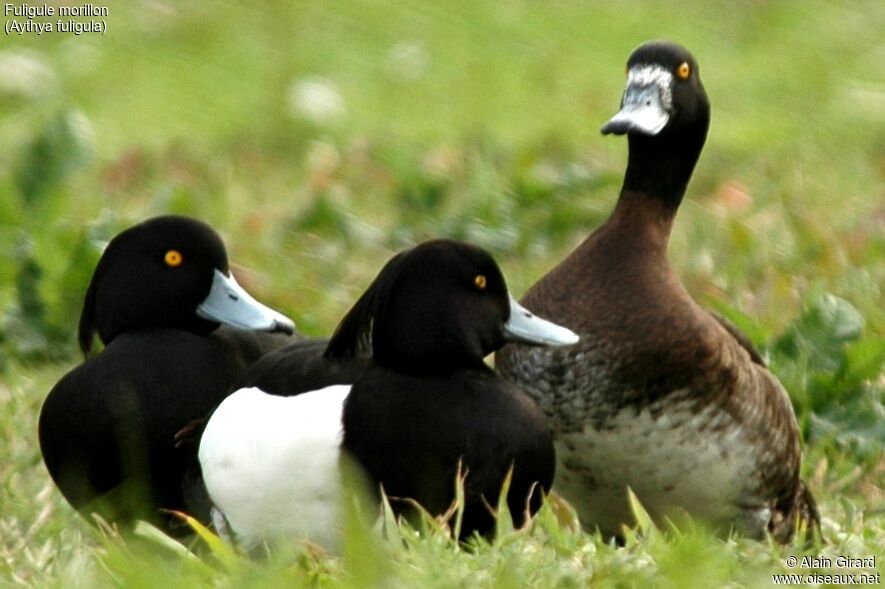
pixel 659 394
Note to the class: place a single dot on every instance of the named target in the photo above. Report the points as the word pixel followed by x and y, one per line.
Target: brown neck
pixel 639 217
pixel 632 242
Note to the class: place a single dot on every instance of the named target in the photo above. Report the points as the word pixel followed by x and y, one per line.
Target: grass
pixel 320 139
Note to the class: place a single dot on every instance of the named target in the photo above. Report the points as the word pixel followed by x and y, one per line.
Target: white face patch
pixel 641 76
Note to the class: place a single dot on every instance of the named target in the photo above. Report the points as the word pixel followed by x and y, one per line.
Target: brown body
pixel 658 395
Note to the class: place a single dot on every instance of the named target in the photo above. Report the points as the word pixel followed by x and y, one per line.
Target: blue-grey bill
pixel 229 303
pixel 525 327
pixel 642 112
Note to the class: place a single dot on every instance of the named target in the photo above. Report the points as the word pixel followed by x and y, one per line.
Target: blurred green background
pixel 334 130
pixel 321 137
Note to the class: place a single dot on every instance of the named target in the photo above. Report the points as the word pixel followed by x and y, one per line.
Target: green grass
pixel 476 120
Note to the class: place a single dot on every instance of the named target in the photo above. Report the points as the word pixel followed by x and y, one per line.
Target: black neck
pixel 661 166
pixel 436 365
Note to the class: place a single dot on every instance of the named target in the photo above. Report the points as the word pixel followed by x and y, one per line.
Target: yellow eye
pixel 480 282
pixel 173 258
pixel 683 71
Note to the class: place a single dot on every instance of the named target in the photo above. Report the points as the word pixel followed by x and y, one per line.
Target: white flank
pixel 270 464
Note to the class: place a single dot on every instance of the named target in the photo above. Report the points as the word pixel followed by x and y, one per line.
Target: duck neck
pixel 438 364
pixel 660 168
pixel 643 222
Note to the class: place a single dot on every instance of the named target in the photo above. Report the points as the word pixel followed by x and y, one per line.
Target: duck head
pixel 665 114
pixel 438 307
pixel 169 271
pixel 664 91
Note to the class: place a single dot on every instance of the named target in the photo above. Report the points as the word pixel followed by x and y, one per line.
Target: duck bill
pixel 642 111
pixel 229 303
pixel 527 328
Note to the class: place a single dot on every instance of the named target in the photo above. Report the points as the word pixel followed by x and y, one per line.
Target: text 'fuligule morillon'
pixel 43 10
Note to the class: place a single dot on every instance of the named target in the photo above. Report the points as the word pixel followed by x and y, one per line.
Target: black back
pixel 300 367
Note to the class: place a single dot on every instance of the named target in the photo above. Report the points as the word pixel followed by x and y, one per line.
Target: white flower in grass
pixel 317 100
pixel 26 74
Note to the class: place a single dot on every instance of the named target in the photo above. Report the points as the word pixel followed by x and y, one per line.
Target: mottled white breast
pixel 271 465
pixel 675 461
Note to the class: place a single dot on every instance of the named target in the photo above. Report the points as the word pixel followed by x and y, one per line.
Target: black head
pixel 664 94
pixel 165 272
pixel 665 113
pixel 437 307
